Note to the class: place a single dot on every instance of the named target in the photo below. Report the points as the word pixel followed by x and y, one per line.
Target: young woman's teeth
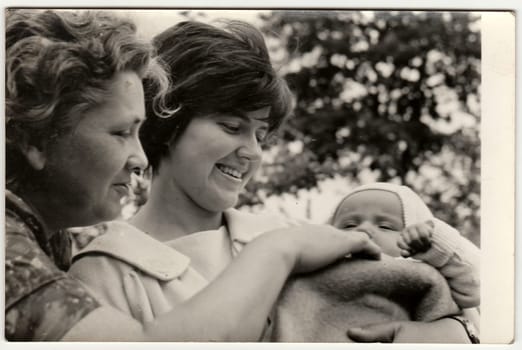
pixel 229 171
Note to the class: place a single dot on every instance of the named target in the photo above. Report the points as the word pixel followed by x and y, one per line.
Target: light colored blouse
pixel 143 277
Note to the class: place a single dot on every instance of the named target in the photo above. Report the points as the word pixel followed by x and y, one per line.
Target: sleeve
pixel 42 302
pixel 106 324
pixel 458 260
pixel 104 277
pixel 117 284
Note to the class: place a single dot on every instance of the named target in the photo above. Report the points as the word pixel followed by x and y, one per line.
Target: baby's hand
pixel 415 239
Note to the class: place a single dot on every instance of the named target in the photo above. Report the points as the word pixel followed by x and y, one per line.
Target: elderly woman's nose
pixel 137 160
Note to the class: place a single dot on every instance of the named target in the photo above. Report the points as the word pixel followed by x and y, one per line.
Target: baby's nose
pixel 366 228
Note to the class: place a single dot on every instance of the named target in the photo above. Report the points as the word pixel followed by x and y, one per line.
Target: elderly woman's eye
pixel 123 133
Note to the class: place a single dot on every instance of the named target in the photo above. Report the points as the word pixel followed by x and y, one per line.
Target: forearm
pixel 235 306
pixel 464 284
pixel 458 260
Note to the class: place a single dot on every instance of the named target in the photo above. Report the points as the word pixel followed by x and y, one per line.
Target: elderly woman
pixel 229 100
pixel 75 103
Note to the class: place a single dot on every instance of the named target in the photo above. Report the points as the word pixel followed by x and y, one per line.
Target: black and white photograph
pixel 291 175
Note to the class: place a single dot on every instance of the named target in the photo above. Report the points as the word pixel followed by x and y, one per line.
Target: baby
pixel 399 222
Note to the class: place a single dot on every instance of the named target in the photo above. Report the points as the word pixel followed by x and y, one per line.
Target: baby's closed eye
pixel 348 226
pixel 388 226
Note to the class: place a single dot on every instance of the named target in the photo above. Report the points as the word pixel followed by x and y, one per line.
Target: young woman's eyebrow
pixel 243 116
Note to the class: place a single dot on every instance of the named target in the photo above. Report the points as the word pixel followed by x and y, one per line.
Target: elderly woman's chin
pixel 105 212
pixel 104 208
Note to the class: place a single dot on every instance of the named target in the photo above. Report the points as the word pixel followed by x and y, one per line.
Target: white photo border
pixel 500 116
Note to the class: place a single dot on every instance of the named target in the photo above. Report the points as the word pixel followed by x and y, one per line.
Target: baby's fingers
pixel 425 232
pixel 416 238
pixel 408 235
pixel 401 242
pixel 404 247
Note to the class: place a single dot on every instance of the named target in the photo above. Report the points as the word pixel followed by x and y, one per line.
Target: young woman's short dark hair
pixel 214 68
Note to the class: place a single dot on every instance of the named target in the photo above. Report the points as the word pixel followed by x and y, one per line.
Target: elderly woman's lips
pixel 122 188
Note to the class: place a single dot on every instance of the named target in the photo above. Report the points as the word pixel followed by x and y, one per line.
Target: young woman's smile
pixel 231 172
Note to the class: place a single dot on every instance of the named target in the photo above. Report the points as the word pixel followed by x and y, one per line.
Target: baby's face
pixel 375 212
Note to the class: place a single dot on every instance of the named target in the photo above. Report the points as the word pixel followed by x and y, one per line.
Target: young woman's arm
pixel 234 307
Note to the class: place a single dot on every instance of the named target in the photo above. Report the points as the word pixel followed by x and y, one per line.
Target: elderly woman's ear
pixel 35 155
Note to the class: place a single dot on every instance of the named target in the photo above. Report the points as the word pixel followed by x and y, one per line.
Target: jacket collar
pixel 125 242
pixel 243 227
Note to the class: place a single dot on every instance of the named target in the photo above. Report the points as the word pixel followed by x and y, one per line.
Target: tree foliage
pixel 393 92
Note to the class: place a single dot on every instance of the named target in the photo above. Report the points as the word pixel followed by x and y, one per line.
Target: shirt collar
pixel 127 243
pixel 243 227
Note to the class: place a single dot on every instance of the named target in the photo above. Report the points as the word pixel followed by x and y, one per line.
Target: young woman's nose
pixel 250 148
pixel 137 160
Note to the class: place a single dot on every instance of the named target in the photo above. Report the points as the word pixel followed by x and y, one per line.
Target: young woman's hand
pixel 445 330
pixel 313 246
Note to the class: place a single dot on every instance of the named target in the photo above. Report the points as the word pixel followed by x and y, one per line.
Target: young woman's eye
pixel 231 127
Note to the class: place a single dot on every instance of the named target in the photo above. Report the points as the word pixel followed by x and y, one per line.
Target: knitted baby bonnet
pixel 445 243
pixel 414 210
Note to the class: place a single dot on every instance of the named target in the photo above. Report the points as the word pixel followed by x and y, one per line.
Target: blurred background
pixel 380 96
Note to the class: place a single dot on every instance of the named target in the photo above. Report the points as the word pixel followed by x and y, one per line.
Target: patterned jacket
pixel 41 301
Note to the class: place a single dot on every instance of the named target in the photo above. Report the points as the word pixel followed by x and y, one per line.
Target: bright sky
pixel 151 22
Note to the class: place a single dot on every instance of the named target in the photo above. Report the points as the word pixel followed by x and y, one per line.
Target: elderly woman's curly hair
pixel 59 64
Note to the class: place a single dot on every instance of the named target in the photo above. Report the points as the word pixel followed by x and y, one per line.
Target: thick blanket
pixel 321 306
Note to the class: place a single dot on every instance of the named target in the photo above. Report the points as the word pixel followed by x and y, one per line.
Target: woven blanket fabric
pixel 321 306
